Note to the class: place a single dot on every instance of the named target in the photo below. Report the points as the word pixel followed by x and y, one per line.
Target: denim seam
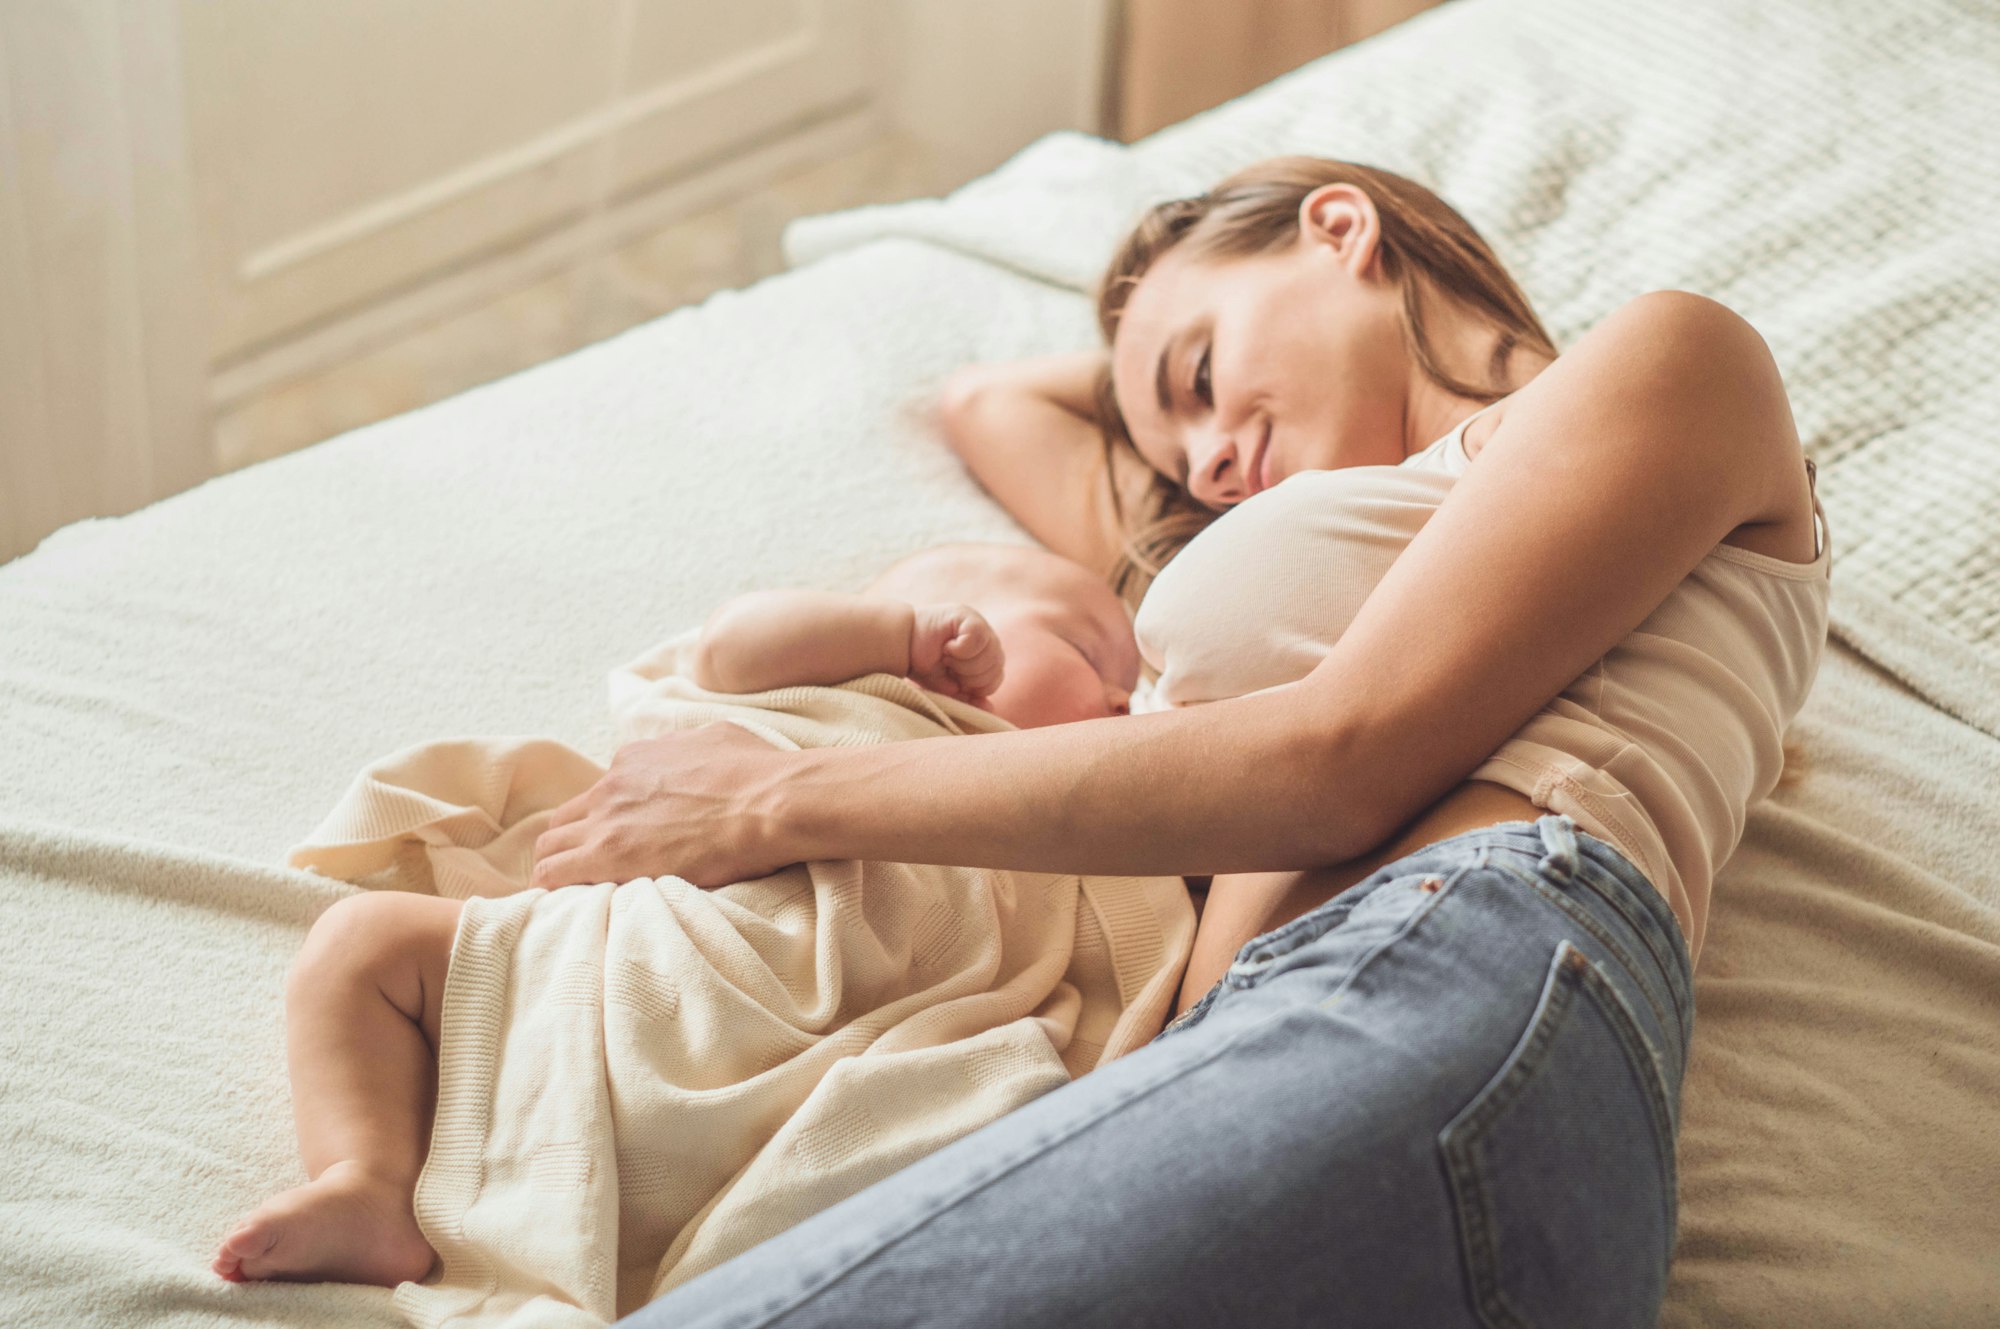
pixel 1244 974
pixel 1578 849
pixel 1590 923
pixel 1259 953
pixel 1423 911
pixel 1241 975
pixel 1565 981
pixel 1473 1207
pixel 994 1172
pixel 1320 920
pixel 1632 912
pixel 1664 920
pixel 1636 915
pixel 1637 1046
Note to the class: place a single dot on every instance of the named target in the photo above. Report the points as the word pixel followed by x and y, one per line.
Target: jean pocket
pixel 1562 1167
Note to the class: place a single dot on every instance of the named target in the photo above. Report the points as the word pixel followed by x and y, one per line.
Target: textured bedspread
pixel 183 689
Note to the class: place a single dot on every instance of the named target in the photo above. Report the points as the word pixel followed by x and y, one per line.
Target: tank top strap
pixel 1823 533
pixel 1458 435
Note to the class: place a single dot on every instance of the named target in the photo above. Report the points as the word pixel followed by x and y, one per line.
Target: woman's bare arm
pixel 1028 432
pixel 1613 473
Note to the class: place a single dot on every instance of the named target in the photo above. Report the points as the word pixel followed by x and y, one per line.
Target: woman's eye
pixel 1201 383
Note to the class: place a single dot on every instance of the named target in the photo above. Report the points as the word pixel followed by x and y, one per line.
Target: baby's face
pixel 1069 657
pixel 1070 651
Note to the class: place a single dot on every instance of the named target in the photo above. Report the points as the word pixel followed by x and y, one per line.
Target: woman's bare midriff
pixel 1244 905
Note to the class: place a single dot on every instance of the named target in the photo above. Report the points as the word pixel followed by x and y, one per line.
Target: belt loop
pixel 1559 839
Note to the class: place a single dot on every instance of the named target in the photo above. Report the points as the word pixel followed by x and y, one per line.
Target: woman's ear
pixel 1343 218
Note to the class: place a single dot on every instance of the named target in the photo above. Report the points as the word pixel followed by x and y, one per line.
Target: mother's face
pixel 1234 373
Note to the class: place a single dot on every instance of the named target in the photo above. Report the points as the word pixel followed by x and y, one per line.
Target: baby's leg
pixel 361 1027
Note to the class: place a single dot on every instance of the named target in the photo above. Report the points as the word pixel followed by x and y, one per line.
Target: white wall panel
pixel 101 401
pixel 345 150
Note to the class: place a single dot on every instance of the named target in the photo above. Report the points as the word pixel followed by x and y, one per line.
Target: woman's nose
pixel 1119 699
pixel 1215 473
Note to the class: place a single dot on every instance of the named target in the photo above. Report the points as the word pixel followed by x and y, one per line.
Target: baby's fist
pixel 954 650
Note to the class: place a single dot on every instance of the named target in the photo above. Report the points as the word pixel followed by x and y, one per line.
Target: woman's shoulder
pixel 1686 307
pixel 1691 374
pixel 1681 341
pixel 1668 344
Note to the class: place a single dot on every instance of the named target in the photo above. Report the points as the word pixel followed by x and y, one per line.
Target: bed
pixel 186 690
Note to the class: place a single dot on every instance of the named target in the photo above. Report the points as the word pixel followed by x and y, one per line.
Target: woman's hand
pixel 955 651
pixel 683 804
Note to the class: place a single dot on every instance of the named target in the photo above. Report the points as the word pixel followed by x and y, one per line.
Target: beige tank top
pixel 1659 748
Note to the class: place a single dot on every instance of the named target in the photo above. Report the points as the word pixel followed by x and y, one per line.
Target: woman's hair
pixel 1426 248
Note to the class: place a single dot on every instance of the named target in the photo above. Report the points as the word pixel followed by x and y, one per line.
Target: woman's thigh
pixel 1441 1098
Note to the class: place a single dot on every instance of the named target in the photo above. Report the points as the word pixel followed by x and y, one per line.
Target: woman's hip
pixel 1512 1007
pixel 1500 896
pixel 1446 1097
pixel 1241 906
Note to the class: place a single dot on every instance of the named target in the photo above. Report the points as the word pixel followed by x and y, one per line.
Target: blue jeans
pixel 1448 1096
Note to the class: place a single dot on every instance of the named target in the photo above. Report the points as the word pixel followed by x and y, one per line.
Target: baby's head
pixel 1069 645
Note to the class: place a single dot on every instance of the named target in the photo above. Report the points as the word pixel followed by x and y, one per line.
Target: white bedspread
pixel 185 690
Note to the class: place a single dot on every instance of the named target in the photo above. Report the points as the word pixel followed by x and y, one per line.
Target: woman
pixel 1445 1095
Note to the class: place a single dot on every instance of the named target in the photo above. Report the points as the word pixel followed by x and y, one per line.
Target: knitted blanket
pixel 639 1080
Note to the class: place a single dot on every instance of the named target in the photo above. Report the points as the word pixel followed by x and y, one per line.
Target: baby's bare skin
pixel 362 1008
pixel 344 1226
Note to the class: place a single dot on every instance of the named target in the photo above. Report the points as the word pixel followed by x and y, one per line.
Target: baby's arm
pixel 775 639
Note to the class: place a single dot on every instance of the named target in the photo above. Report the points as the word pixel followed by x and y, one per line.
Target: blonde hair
pixel 1426 248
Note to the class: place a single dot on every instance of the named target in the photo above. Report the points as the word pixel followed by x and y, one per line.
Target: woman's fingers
pixel 574 810
pixel 558 840
pixel 668 805
pixel 564 869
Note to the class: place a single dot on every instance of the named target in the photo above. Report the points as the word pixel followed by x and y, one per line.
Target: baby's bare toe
pixel 251 1240
pixel 341 1227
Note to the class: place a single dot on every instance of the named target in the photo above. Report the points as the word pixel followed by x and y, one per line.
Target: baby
pixel 1022 633
pixel 1019 632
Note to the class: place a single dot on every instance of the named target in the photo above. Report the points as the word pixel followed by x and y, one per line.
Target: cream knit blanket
pixel 638 1081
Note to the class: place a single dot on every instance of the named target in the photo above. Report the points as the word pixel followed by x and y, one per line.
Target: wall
pixel 218 216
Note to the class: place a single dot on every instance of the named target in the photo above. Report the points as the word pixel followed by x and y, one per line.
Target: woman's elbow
pixel 1341 812
pixel 958 406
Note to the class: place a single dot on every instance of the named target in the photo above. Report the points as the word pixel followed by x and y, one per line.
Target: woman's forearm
pixel 1068 379
pixel 1131 795
pixel 1028 432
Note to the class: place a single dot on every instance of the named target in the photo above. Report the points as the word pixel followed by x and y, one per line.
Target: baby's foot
pixel 344 1226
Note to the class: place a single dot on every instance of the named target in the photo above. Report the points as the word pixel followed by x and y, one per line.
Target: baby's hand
pixel 955 651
